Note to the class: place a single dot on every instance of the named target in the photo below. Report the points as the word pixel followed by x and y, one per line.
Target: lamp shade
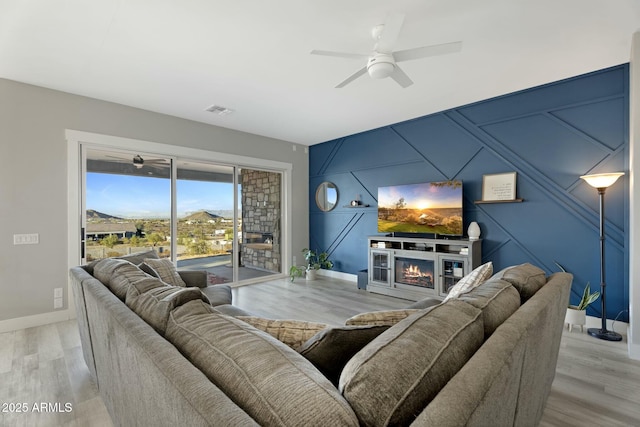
pixel 602 180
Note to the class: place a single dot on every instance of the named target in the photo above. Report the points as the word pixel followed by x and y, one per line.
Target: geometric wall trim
pixel 549 135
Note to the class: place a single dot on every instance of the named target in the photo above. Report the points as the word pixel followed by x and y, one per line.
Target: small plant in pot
pixel 315 261
pixel 577 314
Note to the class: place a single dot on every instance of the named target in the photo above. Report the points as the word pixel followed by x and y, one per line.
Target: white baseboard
pixel 35 320
pixel 338 275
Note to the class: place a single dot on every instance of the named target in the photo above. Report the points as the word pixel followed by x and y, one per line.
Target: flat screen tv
pixel 430 208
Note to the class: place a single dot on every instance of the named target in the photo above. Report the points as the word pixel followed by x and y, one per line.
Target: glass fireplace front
pixel 415 272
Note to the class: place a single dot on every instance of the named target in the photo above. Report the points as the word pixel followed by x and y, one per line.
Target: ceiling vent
pixel 219 110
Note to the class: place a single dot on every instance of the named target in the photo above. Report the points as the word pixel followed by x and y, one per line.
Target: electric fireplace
pixel 415 272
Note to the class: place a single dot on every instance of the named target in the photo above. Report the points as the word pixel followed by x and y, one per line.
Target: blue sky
pixel 143 197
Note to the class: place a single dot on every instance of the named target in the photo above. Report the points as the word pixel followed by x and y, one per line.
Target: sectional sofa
pixel 169 355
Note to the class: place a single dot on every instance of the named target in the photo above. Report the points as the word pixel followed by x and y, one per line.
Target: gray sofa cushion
pixel 395 376
pixel 329 350
pixel 153 300
pixel 497 299
pixel 269 380
pixel 117 275
pixel 526 278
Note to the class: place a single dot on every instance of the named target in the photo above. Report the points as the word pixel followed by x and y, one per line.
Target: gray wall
pixel 33 179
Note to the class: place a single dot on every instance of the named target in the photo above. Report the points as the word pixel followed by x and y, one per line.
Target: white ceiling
pixel 179 57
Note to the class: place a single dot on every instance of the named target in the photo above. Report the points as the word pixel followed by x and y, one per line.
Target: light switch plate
pixel 26 239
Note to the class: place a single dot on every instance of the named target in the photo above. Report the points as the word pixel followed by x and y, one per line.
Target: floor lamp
pixel 601 181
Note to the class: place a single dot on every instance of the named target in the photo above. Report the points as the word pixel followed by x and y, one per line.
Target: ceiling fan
pixel 383 61
pixel 139 162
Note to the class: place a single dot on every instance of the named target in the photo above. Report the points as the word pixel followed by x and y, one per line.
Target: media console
pixel 416 268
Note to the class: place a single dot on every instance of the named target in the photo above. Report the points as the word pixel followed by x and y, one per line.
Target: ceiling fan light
pixel 380 70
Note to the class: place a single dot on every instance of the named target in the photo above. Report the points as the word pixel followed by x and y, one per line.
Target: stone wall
pixel 261 212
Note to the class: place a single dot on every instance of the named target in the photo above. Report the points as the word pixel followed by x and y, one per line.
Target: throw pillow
pixel 165 270
pixel 293 333
pixel 471 280
pixel 330 349
pixel 380 318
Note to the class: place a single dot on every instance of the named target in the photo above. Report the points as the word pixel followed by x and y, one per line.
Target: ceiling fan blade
pixel 117 159
pixel 401 77
pixel 352 77
pixel 392 27
pixel 339 54
pixel 426 51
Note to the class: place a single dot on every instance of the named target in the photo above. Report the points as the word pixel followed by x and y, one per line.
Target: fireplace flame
pixel 414 271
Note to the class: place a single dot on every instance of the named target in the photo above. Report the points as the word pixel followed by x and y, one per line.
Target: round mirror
pixel 326 196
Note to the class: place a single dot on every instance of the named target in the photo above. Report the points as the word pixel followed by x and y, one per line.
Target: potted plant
pixel 577 314
pixel 315 261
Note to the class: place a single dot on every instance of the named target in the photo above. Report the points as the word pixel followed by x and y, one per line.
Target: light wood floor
pixel 596 383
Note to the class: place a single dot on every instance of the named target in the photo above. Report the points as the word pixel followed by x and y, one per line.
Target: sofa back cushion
pixel 497 299
pixel 526 278
pixel 153 300
pixel 395 376
pixel 117 275
pixel 268 379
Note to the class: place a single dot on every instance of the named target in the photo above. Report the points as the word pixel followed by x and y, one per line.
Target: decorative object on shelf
pixel 499 187
pixel 315 261
pixel 601 181
pixel 355 203
pixel 326 196
pixel 473 231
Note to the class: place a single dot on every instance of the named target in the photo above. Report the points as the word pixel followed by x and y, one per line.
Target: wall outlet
pixel 57 303
pixel 57 293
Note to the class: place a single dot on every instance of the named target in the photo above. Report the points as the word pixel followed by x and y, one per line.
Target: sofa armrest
pixel 194 278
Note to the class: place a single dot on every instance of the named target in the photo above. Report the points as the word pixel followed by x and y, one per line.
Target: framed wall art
pixel 499 187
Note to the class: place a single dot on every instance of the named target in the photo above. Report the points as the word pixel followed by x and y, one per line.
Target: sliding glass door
pixel 220 218
pixel 127 204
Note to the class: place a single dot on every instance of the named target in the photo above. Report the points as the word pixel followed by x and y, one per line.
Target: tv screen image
pixel 431 207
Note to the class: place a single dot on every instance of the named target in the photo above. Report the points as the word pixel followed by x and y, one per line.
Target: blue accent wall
pixel 549 135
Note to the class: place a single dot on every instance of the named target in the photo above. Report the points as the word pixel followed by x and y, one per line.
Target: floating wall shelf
pixel 480 202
